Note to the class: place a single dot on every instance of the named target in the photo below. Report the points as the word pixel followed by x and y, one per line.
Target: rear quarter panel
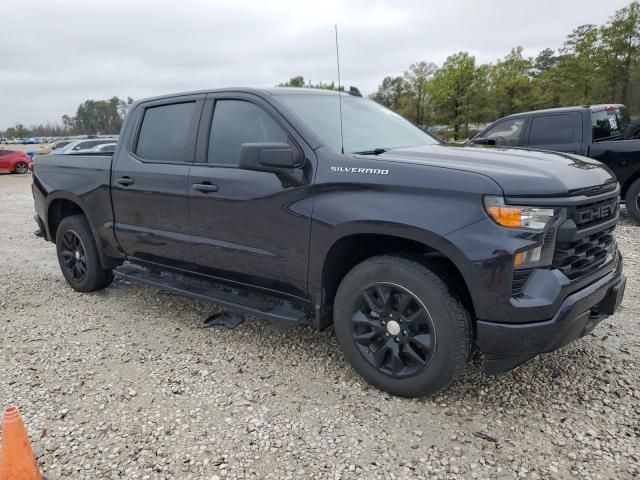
pixel 84 180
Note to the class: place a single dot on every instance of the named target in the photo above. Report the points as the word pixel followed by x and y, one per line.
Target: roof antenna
pixel 339 91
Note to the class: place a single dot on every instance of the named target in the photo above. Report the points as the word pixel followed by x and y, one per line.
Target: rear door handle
pixel 206 187
pixel 125 181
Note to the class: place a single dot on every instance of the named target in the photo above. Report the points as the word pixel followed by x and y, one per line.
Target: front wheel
pixel 401 327
pixel 78 256
pixel 21 168
pixel 632 199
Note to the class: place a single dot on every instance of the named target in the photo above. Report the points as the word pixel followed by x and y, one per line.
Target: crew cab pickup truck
pixel 417 253
pixel 602 132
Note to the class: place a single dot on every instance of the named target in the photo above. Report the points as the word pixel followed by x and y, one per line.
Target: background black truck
pixel 602 132
pixel 416 252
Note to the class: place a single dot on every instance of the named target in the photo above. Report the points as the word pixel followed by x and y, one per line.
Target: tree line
pixel 596 64
pixel 92 117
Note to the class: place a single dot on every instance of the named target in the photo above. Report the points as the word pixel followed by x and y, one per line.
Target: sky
pixel 56 54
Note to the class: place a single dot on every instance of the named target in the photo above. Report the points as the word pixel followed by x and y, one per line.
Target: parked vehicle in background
pixel 14 161
pixel 414 251
pixel 104 148
pixel 54 145
pixel 602 132
pixel 78 145
pixel 29 141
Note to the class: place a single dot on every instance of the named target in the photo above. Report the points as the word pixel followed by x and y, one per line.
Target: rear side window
pixel 552 130
pixel 164 133
pixel 236 122
pixel 609 123
pixel 4 152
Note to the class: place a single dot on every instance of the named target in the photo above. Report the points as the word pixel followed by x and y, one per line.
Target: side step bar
pixel 229 300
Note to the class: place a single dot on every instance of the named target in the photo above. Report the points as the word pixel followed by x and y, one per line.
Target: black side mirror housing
pixel 268 157
pixel 483 141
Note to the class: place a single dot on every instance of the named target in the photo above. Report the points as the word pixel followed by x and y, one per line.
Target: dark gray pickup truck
pixel 602 132
pixel 417 253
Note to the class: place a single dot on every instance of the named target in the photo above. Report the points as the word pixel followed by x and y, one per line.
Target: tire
pixel 78 256
pixel 21 168
pixel 632 199
pixel 435 337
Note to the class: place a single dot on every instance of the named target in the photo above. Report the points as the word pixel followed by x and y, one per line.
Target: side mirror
pixel 483 141
pixel 268 157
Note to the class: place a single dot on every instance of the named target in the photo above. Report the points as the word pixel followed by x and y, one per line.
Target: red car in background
pixel 14 161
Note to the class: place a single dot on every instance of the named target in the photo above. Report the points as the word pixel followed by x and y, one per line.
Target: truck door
pixel 249 227
pixel 559 132
pixel 150 181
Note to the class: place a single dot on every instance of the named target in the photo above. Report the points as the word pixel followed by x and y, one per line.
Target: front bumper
pixel 506 346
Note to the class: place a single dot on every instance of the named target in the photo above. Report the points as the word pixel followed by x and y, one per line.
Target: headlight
pixel 540 221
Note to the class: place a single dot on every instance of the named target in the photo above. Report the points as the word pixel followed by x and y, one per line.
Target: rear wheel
pixel 632 199
pixel 21 168
pixel 401 327
pixel 78 256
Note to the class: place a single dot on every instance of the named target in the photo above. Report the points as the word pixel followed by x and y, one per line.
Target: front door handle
pixel 206 187
pixel 125 181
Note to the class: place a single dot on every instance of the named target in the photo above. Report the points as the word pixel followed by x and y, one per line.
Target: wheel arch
pixel 64 205
pixel 627 184
pixel 348 251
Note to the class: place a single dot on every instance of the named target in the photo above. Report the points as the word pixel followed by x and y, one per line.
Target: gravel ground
pixel 126 383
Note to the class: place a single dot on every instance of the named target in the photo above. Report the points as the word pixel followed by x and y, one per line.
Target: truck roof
pixel 594 108
pixel 257 91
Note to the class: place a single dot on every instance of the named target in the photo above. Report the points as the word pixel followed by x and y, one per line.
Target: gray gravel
pixel 126 383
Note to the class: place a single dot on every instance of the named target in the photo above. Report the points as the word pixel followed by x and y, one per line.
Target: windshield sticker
pixel 371 171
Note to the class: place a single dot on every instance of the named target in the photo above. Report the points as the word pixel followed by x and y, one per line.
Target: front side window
pixel 164 133
pixel 506 132
pixel 552 130
pixel 236 122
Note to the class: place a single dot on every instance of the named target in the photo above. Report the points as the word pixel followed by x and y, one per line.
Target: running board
pixel 229 300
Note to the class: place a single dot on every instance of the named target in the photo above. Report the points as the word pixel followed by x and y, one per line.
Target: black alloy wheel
pixel 393 330
pixel 401 324
pixel 74 255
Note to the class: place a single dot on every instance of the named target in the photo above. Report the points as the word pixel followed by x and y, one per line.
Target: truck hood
pixel 519 172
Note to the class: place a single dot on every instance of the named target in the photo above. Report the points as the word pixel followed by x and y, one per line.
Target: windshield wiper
pixel 375 151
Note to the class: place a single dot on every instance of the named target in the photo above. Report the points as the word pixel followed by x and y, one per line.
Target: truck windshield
pixel 609 123
pixel 367 126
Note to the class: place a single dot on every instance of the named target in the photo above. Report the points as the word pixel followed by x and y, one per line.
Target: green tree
pixel 417 80
pixel 455 92
pixel 18 131
pixel 299 83
pixel 293 82
pixel 99 116
pixel 510 83
pixel 391 93
pixel 620 39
